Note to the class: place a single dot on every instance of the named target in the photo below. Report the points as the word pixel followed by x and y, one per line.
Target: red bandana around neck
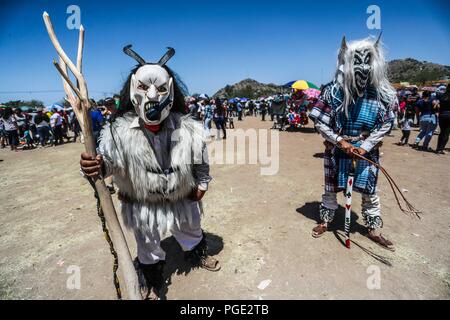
pixel 153 128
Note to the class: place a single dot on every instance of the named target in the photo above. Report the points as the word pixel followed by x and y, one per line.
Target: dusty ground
pixel 259 227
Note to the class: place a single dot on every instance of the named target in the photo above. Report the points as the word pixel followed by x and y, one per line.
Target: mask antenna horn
pixel 128 51
pixel 166 57
pixel 377 43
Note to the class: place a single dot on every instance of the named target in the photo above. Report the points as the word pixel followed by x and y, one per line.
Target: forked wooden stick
pixel 81 106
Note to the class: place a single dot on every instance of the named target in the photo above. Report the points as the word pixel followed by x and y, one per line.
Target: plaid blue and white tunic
pixel 366 115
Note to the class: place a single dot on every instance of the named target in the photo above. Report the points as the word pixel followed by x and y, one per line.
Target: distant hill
pixel 249 88
pixel 400 70
pixel 414 71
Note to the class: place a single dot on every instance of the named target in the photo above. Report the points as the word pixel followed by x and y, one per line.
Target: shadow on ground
pixel 310 210
pixel 301 130
pixel 175 262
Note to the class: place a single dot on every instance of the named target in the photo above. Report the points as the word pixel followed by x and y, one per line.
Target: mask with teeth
pixel 361 64
pixel 362 68
pixel 151 88
pixel 151 91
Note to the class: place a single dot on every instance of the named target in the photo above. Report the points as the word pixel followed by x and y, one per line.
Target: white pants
pixel 371 208
pixel 149 249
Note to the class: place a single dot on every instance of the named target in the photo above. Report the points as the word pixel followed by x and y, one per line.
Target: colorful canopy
pixel 303 85
pixel 56 106
pixel 312 93
pixel 289 84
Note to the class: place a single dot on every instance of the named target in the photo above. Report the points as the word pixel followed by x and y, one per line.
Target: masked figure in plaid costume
pixel 353 114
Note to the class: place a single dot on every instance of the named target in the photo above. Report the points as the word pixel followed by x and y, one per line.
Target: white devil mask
pixel 151 92
pixel 151 88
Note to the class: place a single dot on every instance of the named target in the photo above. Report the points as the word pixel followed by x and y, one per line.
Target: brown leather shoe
pixel 319 230
pixel 381 241
pixel 199 257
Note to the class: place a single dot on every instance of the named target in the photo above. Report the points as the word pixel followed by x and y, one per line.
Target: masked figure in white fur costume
pixel 159 161
pixel 353 114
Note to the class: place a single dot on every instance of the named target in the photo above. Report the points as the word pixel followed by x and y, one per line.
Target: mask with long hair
pixel 361 64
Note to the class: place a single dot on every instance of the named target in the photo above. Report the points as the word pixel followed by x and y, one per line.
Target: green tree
pixel 35 103
pixel 13 103
pixel 20 103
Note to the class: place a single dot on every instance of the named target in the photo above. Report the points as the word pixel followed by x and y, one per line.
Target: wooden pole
pixel 81 107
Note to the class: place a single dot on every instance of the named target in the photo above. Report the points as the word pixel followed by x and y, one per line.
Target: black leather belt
pixel 165 171
pixel 125 198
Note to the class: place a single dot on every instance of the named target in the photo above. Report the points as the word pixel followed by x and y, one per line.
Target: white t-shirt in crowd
pixel 10 123
pixel 56 120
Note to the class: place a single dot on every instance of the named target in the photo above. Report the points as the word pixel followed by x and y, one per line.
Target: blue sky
pixel 216 42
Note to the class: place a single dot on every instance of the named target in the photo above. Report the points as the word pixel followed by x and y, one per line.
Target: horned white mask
pixel 151 88
pixel 361 63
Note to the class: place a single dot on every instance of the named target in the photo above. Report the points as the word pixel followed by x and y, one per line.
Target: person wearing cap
pixel 110 105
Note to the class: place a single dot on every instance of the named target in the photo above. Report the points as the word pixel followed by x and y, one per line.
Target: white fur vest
pixel 152 197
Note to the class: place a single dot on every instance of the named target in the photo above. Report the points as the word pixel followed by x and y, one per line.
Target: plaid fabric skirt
pixel 337 166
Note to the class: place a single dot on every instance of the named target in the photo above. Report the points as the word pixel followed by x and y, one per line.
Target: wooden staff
pixel 81 106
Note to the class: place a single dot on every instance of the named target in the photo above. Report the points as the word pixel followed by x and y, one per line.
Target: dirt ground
pixel 258 226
